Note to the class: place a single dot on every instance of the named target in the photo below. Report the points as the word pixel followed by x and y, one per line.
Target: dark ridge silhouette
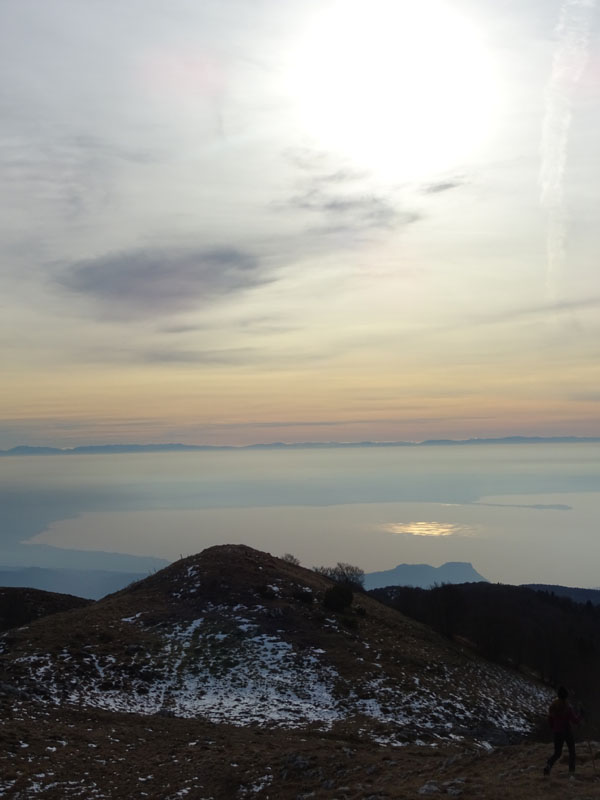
pixel 539 633
pixel 576 594
pixel 21 606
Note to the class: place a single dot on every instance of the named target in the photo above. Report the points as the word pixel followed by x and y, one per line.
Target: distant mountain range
pixel 96 583
pixel 423 575
pixel 27 450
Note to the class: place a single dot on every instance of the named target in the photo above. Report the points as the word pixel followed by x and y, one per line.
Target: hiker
pixel 560 717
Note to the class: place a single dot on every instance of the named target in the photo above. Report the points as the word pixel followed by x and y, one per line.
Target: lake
pixel 518 512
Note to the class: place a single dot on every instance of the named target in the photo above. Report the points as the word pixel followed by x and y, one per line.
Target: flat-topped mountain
pixel 234 635
pixel 423 575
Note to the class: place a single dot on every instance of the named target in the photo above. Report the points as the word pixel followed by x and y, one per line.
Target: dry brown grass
pixel 86 754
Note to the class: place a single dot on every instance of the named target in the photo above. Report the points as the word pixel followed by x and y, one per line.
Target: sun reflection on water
pixel 429 528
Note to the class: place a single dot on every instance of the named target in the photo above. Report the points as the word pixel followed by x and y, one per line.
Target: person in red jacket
pixel 561 717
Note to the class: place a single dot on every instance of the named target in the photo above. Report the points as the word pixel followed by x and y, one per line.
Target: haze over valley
pixel 520 513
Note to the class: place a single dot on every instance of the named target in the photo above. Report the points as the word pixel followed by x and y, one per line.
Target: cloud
pixel 264 323
pixel 179 329
pixel 346 211
pixel 322 167
pixel 341 195
pixel 308 159
pixel 235 356
pixel 339 176
pixel 442 186
pixel 317 423
pixel 574 32
pixel 240 355
pixel 140 283
pixel 585 397
pixel 545 309
pixel 66 176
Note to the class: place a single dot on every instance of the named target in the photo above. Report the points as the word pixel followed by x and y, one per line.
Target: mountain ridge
pixel 179 447
pixel 238 636
pixel 20 606
pixel 230 675
pixel 576 593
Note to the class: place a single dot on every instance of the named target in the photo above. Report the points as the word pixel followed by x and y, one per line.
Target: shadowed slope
pixel 19 606
pixel 236 635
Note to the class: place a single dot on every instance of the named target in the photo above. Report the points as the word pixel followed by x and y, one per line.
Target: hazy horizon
pixel 521 513
pixel 125 447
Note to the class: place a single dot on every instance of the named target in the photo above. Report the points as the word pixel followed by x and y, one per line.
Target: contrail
pixel 570 58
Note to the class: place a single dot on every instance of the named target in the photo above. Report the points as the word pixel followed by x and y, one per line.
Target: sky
pixel 235 221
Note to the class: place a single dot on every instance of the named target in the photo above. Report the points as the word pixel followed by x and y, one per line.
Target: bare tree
pixel 344 573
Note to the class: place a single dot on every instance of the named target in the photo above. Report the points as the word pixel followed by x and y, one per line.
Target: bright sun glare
pixel 403 89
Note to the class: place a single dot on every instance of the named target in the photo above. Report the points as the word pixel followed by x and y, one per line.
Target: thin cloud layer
pixel 181 214
pixel 149 282
pixel 342 197
pixel 240 355
pixel 352 211
pixel 442 186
